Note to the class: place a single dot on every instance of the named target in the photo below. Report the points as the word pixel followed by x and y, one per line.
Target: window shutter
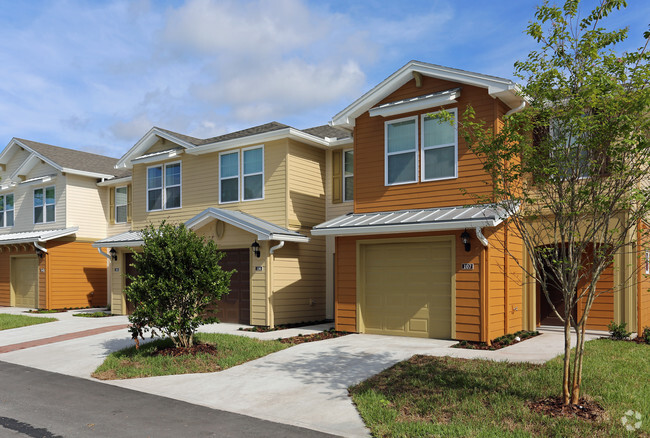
pixel 111 205
pixel 337 177
pixel 128 203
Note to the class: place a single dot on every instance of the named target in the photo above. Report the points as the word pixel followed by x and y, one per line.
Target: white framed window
pixel 348 175
pixel 228 177
pixel 439 155
pixel 164 188
pixel 121 204
pixel 7 210
pixel 401 144
pixel 253 173
pixel 44 205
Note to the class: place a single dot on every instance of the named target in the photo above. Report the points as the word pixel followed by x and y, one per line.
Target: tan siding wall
pixel 86 206
pixel 15 161
pixel 77 275
pixel 200 189
pixel 371 194
pixel 298 284
pixel 306 207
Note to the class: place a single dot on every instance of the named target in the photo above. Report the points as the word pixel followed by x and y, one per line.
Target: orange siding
pixel 643 283
pixel 370 192
pixel 77 275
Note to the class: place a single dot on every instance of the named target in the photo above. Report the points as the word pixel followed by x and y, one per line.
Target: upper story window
pixel 7 210
pixel 251 184
pixel 439 148
pixel 44 205
pixel 348 175
pixel 121 204
pixel 164 188
pixel 401 151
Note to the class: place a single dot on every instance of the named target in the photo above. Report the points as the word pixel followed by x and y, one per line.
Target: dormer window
pixel 44 205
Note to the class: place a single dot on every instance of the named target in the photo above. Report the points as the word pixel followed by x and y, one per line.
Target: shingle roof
pixel 74 159
pixel 325 131
pixel 260 129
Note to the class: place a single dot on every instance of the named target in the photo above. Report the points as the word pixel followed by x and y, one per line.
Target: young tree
pixel 571 169
pixel 179 276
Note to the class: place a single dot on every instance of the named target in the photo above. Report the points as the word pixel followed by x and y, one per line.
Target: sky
pixel 98 75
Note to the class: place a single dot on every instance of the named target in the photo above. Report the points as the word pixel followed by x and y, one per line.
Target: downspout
pixel 39 247
pixel 481 238
pixel 276 247
pixel 104 254
pixel 516 110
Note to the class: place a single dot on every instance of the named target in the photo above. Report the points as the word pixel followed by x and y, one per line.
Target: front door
pixel 130 270
pixel 235 307
pixel 24 281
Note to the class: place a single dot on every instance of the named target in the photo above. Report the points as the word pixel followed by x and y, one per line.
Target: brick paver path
pixel 65 337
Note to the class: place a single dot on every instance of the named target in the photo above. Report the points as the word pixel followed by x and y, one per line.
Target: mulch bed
pixel 637 340
pixel 553 407
pixel 301 339
pixel 264 329
pixel 498 343
pixel 192 351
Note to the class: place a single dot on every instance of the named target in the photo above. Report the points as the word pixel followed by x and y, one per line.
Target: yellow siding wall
pixel 306 186
pixel 85 206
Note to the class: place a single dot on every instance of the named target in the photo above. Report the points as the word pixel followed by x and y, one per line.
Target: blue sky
pixel 97 75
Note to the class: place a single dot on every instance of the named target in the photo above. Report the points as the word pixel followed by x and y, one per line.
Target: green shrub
pixel 646 335
pixel 618 331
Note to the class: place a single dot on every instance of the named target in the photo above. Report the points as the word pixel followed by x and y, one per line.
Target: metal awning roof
pixel 404 221
pixel 36 236
pixel 262 229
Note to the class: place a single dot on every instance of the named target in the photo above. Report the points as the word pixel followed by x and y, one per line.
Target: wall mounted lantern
pixel 113 254
pixel 256 249
pixel 464 237
pixel 39 253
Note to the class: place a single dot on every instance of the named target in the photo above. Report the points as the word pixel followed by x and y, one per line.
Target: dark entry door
pixel 235 307
pixel 128 260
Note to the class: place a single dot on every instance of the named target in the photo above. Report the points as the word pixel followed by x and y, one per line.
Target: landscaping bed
pixel 500 342
pixel 442 396
pixel 301 339
pixel 93 315
pixel 264 329
pixel 8 321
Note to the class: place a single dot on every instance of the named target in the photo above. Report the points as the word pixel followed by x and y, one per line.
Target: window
pixel 170 197
pixel 439 148
pixel 570 155
pixel 44 205
pixel 121 204
pixel 7 210
pixel 251 168
pixel 348 175
pixel 401 151
pixel 229 177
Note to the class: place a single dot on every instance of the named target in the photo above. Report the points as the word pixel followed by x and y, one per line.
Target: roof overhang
pixel 416 104
pixel 114 181
pixel 148 140
pixel 127 239
pixel 409 221
pixel 36 236
pixel 262 229
pixel 503 89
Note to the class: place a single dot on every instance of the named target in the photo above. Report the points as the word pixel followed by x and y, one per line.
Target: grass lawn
pixel 439 396
pixel 232 350
pixel 13 321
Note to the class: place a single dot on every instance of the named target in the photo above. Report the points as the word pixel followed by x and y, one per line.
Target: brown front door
pixel 128 261
pixel 235 307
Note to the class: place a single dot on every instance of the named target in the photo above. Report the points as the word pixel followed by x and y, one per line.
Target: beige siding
pixel 298 282
pixel 306 186
pixel 340 208
pixel 86 206
pixel 200 188
pixel 15 161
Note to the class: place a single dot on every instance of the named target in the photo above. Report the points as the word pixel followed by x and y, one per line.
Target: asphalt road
pixel 40 404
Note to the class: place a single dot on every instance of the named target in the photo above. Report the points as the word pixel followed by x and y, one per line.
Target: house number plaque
pixel 468 266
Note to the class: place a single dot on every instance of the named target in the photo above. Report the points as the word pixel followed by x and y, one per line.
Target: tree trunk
pixel 566 393
pixel 577 370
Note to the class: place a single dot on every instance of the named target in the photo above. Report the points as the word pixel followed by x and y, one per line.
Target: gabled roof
pixel 320 136
pixel 404 221
pixel 36 236
pixel 63 159
pixel 497 87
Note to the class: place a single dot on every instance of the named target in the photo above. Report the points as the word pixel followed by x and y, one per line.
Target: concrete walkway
pixel 305 385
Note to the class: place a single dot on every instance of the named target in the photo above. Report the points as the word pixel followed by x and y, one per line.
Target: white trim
pixel 230 177
pixel 4 211
pixel 40 180
pixel 44 206
pixel 344 176
pixel 121 205
pixel 158 156
pixel 148 140
pixel 414 151
pixel 244 175
pixel 114 181
pixel 405 228
pixel 38 236
pixel 413 105
pixel 424 148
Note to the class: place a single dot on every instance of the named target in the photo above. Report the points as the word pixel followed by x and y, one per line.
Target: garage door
pixel 24 281
pixel 235 307
pixel 406 289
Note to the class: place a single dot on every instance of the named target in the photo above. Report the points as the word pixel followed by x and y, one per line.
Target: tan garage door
pixel 406 288
pixel 24 281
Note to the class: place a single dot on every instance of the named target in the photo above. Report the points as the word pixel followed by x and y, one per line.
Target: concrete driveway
pixel 305 385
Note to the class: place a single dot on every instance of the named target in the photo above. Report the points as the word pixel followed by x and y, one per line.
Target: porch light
pixel 464 237
pixel 39 253
pixel 256 249
pixel 113 254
